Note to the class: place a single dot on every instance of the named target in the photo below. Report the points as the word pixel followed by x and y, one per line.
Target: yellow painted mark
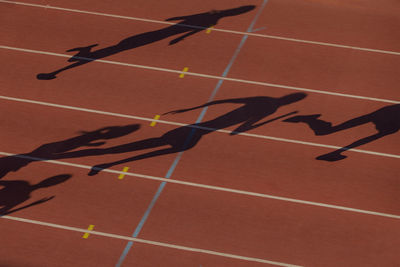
pixel 121 176
pixel 153 123
pixel 185 69
pixel 90 228
pixel 209 29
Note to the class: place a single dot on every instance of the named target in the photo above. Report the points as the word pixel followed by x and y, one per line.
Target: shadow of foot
pixel 46 76
pixel 98 168
pixel 333 156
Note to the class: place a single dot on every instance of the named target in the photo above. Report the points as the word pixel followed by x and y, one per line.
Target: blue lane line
pixel 188 139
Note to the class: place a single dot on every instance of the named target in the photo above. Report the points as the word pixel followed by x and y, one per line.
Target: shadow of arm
pixel 29 205
pixel 178 18
pixel 216 102
pixel 250 124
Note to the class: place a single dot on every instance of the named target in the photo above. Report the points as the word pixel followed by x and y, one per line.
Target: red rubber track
pixel 249 226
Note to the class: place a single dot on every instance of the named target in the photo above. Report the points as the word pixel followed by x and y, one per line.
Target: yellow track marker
pixel 156 117
pixel 121 176
pixel 185 69
pixel 90 228
pixel 209 29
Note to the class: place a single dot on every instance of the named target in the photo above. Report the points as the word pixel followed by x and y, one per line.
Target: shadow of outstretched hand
pixel 45 199
pixel 176 111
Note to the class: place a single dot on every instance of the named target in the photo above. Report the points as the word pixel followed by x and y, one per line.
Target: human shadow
pixel 16 192
pixel 188 26
pixel 59 150
pixel 386 120
pixel 246 117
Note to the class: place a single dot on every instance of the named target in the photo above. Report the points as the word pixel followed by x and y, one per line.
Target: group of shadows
pixel 15 192
pixel 249 115
pixel 188 25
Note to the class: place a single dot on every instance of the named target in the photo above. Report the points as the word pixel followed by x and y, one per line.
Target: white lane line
pixel 211 187
pixel 279 139
pixel 214 29
pixel 147 242
pixel 205 75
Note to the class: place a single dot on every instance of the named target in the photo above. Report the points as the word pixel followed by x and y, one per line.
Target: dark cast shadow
pixel 246 117
pixel 188 25
pixel 386 121
pixel 16 192
pixel 59 150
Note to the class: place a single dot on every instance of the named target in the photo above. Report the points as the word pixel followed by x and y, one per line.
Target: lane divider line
pixel 149 242
pixel 185 69
pixel 197 127
pixel 122 175
pixel 86 234
pixel 206 75
pixel 155 119
pixel 215 29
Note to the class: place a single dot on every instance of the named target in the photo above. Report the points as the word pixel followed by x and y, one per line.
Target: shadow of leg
pixel 52 75
pixel 98 168
pixel 336 155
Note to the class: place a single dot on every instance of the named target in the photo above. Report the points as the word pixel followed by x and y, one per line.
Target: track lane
pixel 86 30
pixel 306 236
pixel 38 246
pixel 218 159
pixel 324 68
pixel 268 36
pixel 146 94
pixel 369 24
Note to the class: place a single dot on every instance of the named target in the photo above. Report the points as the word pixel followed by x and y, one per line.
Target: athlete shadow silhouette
pixel 16 192
pixel 386 120
pixel 61 149
pixel 188 26
pixel 246 117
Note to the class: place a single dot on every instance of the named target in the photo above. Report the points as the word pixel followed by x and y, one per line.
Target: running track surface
pixel 255 199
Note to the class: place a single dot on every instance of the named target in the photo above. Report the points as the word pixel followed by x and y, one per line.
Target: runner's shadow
pixel 248 116
pixel 386 120
pixel 61 149
pixel 16 192
pixel 188 26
